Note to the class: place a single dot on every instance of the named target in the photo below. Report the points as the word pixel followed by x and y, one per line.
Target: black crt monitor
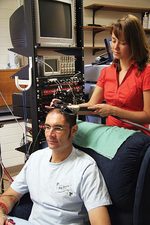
pixel 17 28
pixel 107 42
pixel 55 22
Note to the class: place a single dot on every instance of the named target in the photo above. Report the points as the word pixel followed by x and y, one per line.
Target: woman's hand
pixel 104 110
pixel 54 101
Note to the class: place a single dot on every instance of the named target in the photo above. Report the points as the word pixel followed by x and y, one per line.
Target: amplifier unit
pixel 56 65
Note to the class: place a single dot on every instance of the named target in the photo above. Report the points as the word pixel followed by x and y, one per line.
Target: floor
pixel 5 115
pixel 8 175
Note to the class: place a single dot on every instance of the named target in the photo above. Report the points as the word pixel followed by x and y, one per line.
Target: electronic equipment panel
pixel 56 65
pixel 50 34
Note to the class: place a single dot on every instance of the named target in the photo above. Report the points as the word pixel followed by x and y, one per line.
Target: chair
pixel 127 176
pixel 141 215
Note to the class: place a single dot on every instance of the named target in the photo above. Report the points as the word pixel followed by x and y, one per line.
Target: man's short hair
pixel 71 118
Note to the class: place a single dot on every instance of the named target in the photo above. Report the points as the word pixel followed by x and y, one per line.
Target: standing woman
pixel 125 84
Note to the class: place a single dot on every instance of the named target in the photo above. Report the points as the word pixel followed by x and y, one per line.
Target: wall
pixel 11 135
pixel 7 87
pixel 7 7
pixel 104 17
pixel 134 3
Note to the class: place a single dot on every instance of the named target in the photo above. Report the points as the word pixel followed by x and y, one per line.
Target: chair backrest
pixel 141 214
pixel 122 174
pixel 1 172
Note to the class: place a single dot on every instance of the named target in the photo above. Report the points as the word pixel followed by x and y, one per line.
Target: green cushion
pixel 103 139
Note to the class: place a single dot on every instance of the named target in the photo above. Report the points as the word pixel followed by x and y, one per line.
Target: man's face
pixel 58 132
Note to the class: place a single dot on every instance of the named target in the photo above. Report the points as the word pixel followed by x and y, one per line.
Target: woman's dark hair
pixel 130 26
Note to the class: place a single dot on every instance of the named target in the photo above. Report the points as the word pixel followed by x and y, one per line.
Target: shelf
pixel 110 7
pixel 147 31
pixel 95 49
pixel 96 28
pixel 122 8
pixel 64 50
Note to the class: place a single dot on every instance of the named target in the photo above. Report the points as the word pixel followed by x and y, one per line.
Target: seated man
pixel 65 184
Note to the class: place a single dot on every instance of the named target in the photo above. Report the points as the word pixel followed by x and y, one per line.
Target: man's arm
pixel 99 216
pixel 7 200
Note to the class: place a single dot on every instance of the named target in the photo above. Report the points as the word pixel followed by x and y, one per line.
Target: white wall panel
pixel 11 136
pixel 7 7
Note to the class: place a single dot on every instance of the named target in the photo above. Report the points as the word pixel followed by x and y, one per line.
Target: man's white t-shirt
pixel 62 191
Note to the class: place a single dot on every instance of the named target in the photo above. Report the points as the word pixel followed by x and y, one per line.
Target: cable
pixel 4 170
pixel 25 142
pixel 34 143
pixel 25 115
pixel 11 111
pixel 76 74
pixel 132 123
pixel 1 179
pixel 6 173
pixel 41 61
pixel 58 84
pixel 28 150
pixel 74 97
pixel 27 83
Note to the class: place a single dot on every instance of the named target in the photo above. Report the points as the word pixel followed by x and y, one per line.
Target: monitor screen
pixel 51 64
pixel 55 19
pixel 55 22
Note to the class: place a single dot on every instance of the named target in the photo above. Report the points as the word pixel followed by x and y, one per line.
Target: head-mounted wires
pixel 63 107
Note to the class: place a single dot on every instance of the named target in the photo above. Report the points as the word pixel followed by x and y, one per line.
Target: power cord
pixel 11 111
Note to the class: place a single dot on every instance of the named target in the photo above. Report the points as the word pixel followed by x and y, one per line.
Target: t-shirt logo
pixel 60 188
